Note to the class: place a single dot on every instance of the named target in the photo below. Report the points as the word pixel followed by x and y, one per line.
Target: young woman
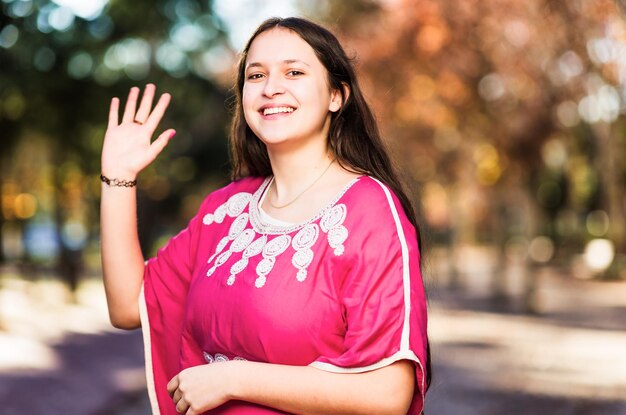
pixel 296 288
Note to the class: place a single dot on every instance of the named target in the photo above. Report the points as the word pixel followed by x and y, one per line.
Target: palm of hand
pixel 127 148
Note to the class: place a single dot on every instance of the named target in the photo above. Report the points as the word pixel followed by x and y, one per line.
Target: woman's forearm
pixel 122 260
pixel 307 390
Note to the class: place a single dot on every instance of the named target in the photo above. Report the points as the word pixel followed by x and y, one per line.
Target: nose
pixel 273 86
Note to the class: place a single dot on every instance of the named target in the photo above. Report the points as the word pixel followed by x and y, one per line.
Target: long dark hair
pixel 353 136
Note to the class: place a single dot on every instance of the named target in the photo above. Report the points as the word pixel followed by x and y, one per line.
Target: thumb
pixel 159 144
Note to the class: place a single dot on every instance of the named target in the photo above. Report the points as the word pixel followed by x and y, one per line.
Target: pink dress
pixel 341 292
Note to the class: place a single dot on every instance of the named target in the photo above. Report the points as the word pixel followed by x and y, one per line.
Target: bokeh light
pixel 80 65
pixel 492 87
pixel 74 235
pixel 131 56
pixel 597 223
pixel 9 36
pixel 21 8
pixel 61 18
pixel 541 249
pixel 172 59
pixel 86 9
pixel 567 114
pixel 599 254
pixel 24 206
pixel 554 153
pixel 603 105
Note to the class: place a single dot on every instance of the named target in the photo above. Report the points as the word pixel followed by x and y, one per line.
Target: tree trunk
pixel 609 164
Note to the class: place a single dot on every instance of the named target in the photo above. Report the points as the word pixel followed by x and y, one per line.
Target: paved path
pixel 60 358
pixel 65 359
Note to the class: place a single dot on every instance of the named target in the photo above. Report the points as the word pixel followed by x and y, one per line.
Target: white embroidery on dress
pixel 252 249
pixel 237 203
pixel 302 243
pixel 232 207
pixel 333 217
pixel 256 247
pixel 218 358
pixel 331 223
pixel 238 225
pixel 241 240
pixel 220 247
pixel 270 251
pixel 220 214
pixel 330 218
pixel 336 237
pixel 238 245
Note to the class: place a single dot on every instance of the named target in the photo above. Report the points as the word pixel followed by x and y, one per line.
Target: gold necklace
pixel 301 193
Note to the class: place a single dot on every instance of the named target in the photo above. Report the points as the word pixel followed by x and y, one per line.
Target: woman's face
pixel 286 97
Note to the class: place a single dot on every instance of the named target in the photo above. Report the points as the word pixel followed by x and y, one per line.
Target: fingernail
pixel 172 134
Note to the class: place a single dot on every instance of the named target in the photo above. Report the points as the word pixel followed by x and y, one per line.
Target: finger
pixel 159 144
pixel 177 395
pixel 146 103
pixel 172 386
pixel 182 406
pixel 131 104
pixel 114 112
pixel 156 115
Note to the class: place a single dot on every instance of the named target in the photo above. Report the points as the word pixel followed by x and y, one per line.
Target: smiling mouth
pixel 277 110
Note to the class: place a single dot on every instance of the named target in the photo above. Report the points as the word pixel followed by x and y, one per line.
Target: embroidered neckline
pixel 270 229
pixel 240 239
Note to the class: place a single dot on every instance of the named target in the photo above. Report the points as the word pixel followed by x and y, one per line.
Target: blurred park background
pixel 506 117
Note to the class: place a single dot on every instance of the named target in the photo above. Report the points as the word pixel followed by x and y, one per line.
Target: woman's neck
pixel 297 168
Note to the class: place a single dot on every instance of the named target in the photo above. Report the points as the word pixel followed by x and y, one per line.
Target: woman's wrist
pixel 234 373
pixel 117 182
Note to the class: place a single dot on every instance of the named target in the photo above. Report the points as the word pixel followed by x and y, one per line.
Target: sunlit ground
pixel 34 316
pixel 522 354
pixel 570 351
pixel 58 353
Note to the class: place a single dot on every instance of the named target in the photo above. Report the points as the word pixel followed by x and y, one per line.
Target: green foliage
pixel 60 72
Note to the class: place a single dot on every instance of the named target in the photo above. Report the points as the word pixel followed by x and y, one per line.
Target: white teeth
pixel 276 110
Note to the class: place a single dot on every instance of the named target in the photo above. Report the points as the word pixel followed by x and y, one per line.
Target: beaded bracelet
pixel 118 182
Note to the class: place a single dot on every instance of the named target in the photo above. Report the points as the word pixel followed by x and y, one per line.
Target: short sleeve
pixel 382 292
pixel 165 287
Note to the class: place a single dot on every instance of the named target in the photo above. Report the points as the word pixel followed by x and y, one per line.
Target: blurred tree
pixel 506 112
pixel 61 64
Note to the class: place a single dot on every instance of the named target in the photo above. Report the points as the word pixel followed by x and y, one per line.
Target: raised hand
pixel 127 147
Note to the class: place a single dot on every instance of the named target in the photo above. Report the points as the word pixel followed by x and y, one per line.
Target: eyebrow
pixel 287 61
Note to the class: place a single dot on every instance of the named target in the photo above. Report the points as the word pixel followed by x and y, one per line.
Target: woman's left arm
pixel 294 389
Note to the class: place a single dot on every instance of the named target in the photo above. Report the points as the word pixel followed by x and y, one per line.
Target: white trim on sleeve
pixel 406 281
pixel 147 348
pixel 406 276
pixel 400 355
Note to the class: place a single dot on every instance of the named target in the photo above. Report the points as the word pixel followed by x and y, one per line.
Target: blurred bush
pixel 62 62
pixel 509 116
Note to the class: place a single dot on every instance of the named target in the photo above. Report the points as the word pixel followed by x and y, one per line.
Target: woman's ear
pixel 337 98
